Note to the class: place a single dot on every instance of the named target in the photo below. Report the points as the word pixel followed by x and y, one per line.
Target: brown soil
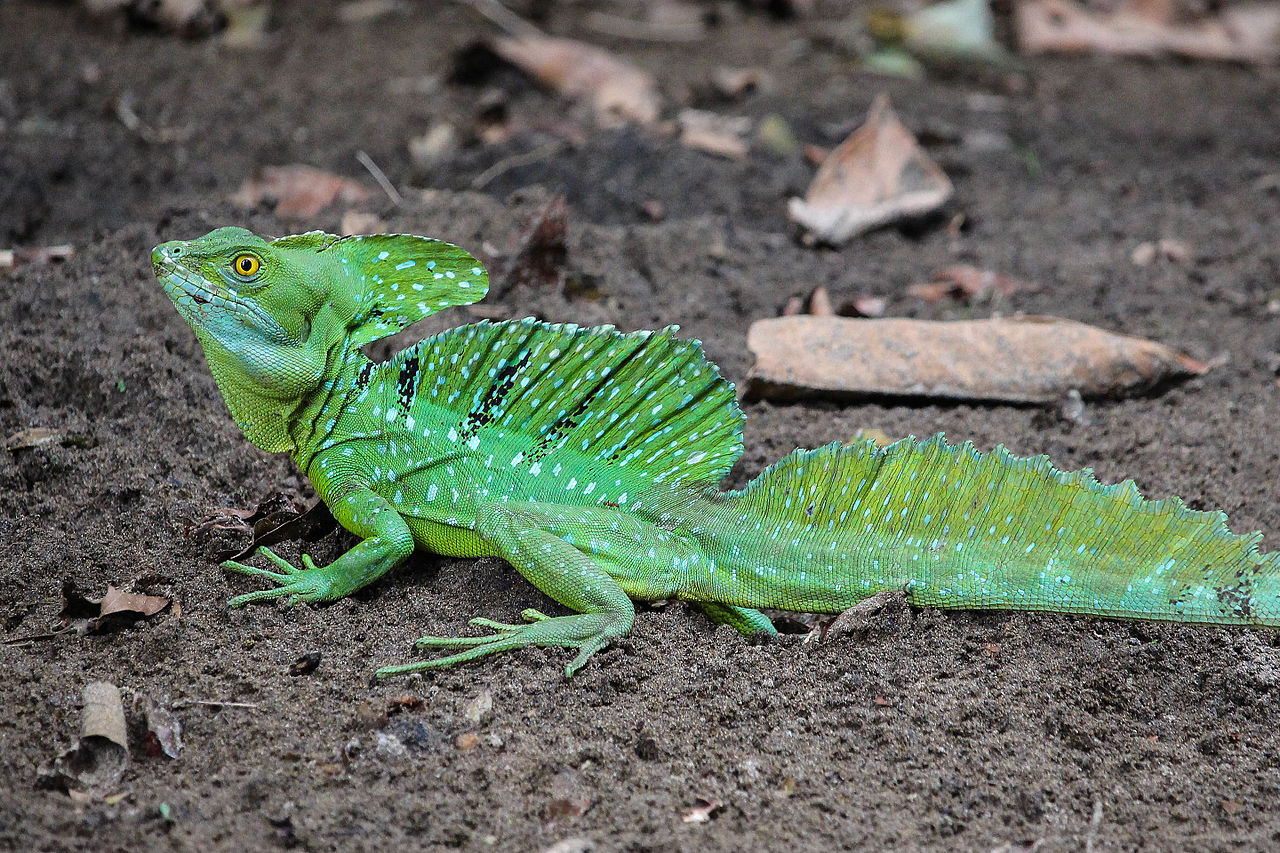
pixel 940 731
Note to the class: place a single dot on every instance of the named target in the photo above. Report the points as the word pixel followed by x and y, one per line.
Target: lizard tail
pixel 823 529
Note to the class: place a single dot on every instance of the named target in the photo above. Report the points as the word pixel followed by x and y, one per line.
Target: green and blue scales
pixel 589 459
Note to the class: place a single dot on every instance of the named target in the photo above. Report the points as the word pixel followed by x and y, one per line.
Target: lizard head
pixel 270 313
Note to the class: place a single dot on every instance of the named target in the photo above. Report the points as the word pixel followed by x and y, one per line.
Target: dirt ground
pixel 973 731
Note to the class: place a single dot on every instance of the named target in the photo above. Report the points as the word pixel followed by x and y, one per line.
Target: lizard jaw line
pixel 194 295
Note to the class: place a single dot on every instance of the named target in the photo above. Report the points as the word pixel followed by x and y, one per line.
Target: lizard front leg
pixel 387 543
pixel 586 558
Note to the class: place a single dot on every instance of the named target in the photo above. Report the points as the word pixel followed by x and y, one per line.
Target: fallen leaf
pixel 863 306
pixel 962 281
pixel 11 259
pixel 704 811
pixel 305 664
pixel 298 191
pixel 1145 254
pixel 619 91
pixel 820 303
pixel 100 755
pixel 1028 359
pixel 539 259
pixel 358 222
pixel 736 82
pixel 876 176
pixel 164 729
pixel 480 706
pixel 566 808
pixel 115 609
pixel 1239 32
pixel 25 439
pixel 724 136
pixel 274 520
pixel 955 31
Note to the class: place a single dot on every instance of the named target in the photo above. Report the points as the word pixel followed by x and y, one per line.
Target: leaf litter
pixel 1026 359
pixel 879 175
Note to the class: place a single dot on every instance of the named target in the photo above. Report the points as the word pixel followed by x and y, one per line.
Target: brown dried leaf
pixel 962 281
pixel 566 808
pixel 276 520
pixel 1019 359
pixel 164 729
pixel 540 258
pixel 100 755
pixel 113 610
pixel 876 176
pixel 1241 32
pixel 619 91
pixel 724 136
pixel 298 191
pixel 116 601
pixel 32 437
pixel 703 812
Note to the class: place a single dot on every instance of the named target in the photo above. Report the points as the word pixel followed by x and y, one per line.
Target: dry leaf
pixel 539 259
pixel 11 259
pixel 99 757
pixel 736 82
pixel 702 813
pixel 113 610
pixel 1017 359
pixel 962 281
pixel 358 222
pixel 164 729
pixel 298 191
pixel 566 808
pixel 31 437
pixel 619 91
pixel 1242 32
pixel 876 176
pixel 724 136
pixel 479 707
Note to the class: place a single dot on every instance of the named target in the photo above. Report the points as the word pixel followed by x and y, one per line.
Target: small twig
pixel 214 703
pixel 381 177
pixel 515 161
pixel 31 638
pixel 511 23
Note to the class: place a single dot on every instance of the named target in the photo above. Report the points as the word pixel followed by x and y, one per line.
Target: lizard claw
pixel 294 584
pixel 586 632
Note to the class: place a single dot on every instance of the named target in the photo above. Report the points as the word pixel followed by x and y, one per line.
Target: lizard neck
pixel 314 421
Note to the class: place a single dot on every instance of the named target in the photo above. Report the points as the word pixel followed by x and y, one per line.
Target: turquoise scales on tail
pixel 589 459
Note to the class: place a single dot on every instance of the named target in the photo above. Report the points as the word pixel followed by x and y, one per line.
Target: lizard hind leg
pixel 580 556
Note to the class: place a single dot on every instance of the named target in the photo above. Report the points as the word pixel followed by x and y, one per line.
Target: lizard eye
pixel 246 265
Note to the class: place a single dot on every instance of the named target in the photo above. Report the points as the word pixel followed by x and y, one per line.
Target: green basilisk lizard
pixel 589 459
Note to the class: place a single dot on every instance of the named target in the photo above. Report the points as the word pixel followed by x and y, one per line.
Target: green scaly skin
pixel 589 459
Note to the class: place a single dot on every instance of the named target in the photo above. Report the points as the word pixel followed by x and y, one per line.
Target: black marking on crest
pixel 407 381
pixel 488 408
pixel 565 424
pixel 366 372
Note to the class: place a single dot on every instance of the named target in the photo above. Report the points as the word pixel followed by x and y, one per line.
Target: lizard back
pixel 523 410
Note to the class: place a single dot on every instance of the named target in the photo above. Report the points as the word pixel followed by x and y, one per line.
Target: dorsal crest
pixel 394 279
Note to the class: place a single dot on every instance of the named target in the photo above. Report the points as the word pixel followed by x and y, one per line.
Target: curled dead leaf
pixel 100 755
pixel 619 92
pixel 724 136
pixel 1019 359
pixel 113 610
pixel 298 191
pixel 877 176
pixel 703 811
pixel 962 281
pixel 1244 32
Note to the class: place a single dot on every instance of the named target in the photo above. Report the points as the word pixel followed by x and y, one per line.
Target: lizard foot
pixel 586 632
pixel 306 584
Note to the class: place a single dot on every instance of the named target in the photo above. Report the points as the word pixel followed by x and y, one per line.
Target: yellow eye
pixel 246 265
